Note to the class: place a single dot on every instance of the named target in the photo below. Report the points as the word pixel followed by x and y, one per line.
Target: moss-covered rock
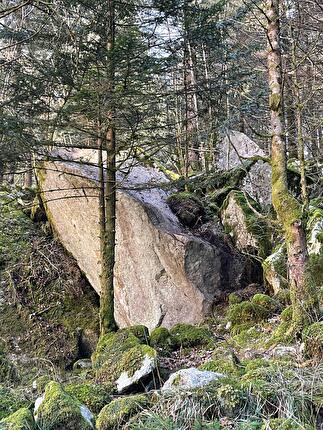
pixel 187 207
pixel 40 383
pixel 186 335
pixel 22 419
pixel 121 359
pixel 10 401
pixel 162 340
pixel 241 218
pixel 313 341
pixel 284 424
pixel 58 410
pixel 94 396
pixel 267 302
pixel 140 331
pixel 245 314
pixel 116 413
pixel 234 299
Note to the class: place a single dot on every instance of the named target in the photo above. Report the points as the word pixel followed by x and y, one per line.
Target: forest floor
pixel 49 320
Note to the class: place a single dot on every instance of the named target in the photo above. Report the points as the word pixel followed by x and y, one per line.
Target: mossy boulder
pixel 162 340
pixel 187 336
pixel 245 314
pixel 121 359
pixel 187 207
pixel 313 341
pixel 119 411
pixel 22 419
pixel 57 410
pixel 94 396
pixel 275 270
pixel 10 401
pixel 140 331
pixel 240 215
pixel 267 302
pixel 284 424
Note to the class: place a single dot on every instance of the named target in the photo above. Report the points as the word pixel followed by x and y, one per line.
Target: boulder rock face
pixel 163 273
pixel 233 150
pixel 243 222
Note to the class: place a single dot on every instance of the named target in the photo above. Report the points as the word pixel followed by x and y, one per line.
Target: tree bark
pixel 289 211
pixel 107 321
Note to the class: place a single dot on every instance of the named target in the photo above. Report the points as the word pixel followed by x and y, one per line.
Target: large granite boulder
pixel 163 273
pixel 233 150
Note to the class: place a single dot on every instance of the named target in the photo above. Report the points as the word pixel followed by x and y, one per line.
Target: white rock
pixel 87 415
pixel 190 378
pixel 38 402
pixel 125 381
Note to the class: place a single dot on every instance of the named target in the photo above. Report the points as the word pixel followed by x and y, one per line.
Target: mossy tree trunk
pixel 107 321
pixel 288 209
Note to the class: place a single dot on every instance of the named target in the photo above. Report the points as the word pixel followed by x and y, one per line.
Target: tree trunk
pixel 107 321
pixel 289 211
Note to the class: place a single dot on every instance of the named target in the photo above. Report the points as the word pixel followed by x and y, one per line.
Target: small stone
pixel 190 378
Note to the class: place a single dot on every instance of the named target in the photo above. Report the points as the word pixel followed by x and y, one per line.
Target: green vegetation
pixel 21 420
pixel 187 336
pixel 120 352
pixel 116 413
pixel 92 395
pixel 10 401
pixel 162 340
pixel 313 341
pixel 59 410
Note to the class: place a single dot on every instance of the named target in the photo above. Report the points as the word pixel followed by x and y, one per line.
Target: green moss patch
pixel 21 420
pixel 10 401
pixel 162 340
pixel 120 352
pixel 94 396
pixel 187 336
pixel 119 411
pixel 59 410
pixel 313 341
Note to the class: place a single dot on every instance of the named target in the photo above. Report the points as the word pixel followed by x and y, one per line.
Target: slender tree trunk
pixel 28 175
pixel 299 119
pixel 289 211
pixel 107 321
